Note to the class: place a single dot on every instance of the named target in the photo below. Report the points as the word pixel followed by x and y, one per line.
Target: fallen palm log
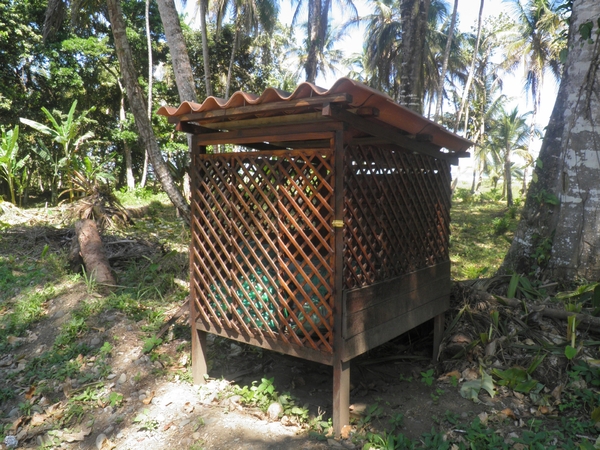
pixel 88 245
pixel 540 309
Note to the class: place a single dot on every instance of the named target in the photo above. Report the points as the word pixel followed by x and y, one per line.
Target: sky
pixel 468 11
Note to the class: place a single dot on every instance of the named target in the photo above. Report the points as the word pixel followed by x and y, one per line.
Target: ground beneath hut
pixel 160 410
pixel 120 388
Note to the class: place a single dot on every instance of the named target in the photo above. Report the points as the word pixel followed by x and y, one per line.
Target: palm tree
pixel 534 45
pixel 248 17
pixel 467 88
pixel 184 78
pixel 440 89
pixel 317 28
pixel 328 59
pixel 138 108
pixel 387 63
pixel 413 16
pixel 382 33
pixel 510 135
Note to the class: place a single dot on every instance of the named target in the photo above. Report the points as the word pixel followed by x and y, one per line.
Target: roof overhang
pixel 374 117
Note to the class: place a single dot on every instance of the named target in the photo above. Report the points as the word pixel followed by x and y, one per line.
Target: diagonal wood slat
pixel 396 214
pixel 262 244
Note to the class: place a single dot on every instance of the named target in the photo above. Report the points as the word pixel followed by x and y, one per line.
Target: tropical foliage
pixel 63 77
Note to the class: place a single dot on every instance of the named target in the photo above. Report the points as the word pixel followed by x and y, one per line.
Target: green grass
pixel 481 234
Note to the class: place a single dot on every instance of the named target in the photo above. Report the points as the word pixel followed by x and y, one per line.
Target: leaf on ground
pixel 487 383
pixel 508 413
pixel 78 436
pixel 17 423
pixel 148 399
pixel 570 352
pixel 596 415
pixel 30 392
pixel 470 389
pixel 449 375
pixel 38 419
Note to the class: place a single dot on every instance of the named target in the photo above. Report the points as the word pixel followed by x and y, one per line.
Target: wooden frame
pixel 324 237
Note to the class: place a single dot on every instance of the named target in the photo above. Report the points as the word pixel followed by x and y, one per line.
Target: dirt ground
pixel 140 402
pixel 164 412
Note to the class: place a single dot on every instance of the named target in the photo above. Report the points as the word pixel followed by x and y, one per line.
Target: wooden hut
pixel 320 223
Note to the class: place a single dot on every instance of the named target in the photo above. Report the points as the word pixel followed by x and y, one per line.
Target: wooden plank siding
pixel 375 314
pixel 260 340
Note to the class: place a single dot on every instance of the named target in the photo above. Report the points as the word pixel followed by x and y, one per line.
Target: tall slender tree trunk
pixel 127 149
pixel 184 77
pixel 508 178
pixel 234 50
pixel 150 80
pixel 440 89
pixel 558 236
pixel 315 9
pixel 413 16
pixel 471 75
pixel 138 108
pixel 203 4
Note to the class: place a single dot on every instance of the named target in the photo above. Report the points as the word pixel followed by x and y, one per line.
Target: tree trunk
pixel 471 75
pixel 440 89
pixel 137 104
pixel 413 16
pixel 184 78
pixel 127 149
pixel 508 179
pixel 314 16
pixel 236 39
pixel 150 62
pixel 92 254
pixel 204 31
pixel 558 235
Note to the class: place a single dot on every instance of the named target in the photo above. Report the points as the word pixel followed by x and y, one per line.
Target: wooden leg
pixel 341 396
pixel 199 349
pixel 438 332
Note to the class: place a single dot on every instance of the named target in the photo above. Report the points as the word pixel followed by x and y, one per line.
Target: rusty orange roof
pixel 359 95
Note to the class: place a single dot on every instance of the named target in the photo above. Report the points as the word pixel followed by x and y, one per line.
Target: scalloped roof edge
pixel 390 112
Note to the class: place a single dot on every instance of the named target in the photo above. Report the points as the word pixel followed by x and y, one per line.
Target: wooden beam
pixel 288 119
pixel 289 106
pixel 390 134
pixel 298 132
pixel 191 128
pixel 303 144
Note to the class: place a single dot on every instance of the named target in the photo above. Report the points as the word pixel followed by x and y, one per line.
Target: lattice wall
pixel 396 209
pixel 262 253
pixel 262 245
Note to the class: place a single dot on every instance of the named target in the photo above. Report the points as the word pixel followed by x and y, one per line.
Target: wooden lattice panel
pixel 396 209
pixel 262 245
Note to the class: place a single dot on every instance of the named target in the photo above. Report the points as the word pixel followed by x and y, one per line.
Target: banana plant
pixel 66 133
pixel 10 165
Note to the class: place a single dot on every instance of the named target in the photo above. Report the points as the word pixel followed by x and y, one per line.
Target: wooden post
pixel 341 369
pixel 341 395
pixel 199 350
pixel 438 332
pixel 199 346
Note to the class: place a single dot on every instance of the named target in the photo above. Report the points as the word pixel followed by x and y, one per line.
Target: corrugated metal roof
pixel 363 96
